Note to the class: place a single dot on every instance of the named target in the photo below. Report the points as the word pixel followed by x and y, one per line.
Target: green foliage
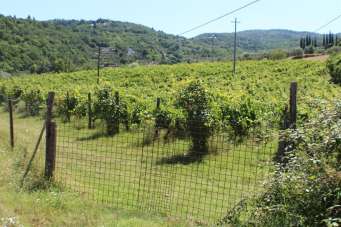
pixel 137 113
pixel 297 53
pixel 242 117
pixel 309 50
pixel 254 40
pixel 195 101
pixel 68 45
pixel 111 109
pixel 278 54
pixel 33 100
pixel 334 67
pixel 307 191
pixel 264 83
pixel 163 118
pixel 67 106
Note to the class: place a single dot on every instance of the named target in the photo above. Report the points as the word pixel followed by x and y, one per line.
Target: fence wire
pixel 138 169
pixel 149 169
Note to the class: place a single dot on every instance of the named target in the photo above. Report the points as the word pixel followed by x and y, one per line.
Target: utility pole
pixel 235 46
pixel 98 63
pixel 213 37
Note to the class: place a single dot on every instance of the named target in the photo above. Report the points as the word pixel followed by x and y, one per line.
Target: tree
pixel 195 101
pixel 302 43
pixel 324 41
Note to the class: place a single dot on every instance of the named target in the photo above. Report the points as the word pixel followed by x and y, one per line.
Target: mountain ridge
pixel 67 45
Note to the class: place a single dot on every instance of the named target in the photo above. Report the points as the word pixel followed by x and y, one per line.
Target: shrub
pixel 334 68
pixel 334 50
pixel 111 109
pixel 195 101
pixel 297 53
pixel 278 54
pixel 163 118
pixel 240 117
pixel 307 191
pixel 309 50
pixel 67 106
pixel 33 101
pixel 137 113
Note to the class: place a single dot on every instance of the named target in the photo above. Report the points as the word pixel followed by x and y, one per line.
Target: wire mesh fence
pixel 138 170
pixel 153 169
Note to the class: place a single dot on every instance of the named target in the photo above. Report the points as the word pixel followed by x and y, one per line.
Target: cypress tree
pixel 324 40
pixel 336 40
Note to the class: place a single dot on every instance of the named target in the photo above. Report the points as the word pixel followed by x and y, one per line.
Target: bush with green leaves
pixel 111 109
pixel 195 101
pixel 307 190
pixel 67 105
pixel 242 117
pixel 277 54
pixel 334 67
pixel 33 100
pixel 138 112
pixel 163 118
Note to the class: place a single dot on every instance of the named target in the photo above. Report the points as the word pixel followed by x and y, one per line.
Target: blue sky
pixel 176 16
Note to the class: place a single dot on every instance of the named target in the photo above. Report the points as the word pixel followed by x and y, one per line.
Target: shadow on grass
pixel 94 136
pixel 184 159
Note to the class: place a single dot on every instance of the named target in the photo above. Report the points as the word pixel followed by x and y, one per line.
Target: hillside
pixel 61 45
pixel 28 45
pixel 255 40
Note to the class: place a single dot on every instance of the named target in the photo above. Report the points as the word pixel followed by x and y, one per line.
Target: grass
pixel 53 206
pixel 118 172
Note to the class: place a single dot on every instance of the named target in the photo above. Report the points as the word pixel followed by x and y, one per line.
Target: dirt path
pixel 321 58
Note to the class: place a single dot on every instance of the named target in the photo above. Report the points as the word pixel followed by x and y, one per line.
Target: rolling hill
pixel 28 45
pixel 255 40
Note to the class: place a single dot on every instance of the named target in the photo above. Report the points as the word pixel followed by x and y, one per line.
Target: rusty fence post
pixel 293 105
pixel 51 135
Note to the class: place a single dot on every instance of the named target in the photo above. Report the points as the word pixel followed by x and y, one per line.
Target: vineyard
pixel 258 92
pixel 189 140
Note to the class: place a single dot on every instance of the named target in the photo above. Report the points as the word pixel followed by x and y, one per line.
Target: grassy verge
pixel 53 206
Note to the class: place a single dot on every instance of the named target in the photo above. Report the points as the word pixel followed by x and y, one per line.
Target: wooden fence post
pixel 157 131
pixel 11 128
pixel 50 152
pixel 89 112
pixel 117 120
pixel 293 105
pixel 289 122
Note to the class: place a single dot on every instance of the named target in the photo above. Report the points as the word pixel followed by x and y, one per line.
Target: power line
pixel 218 18
pixel 325 25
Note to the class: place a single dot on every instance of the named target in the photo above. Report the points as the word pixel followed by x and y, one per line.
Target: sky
pixel 177 16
